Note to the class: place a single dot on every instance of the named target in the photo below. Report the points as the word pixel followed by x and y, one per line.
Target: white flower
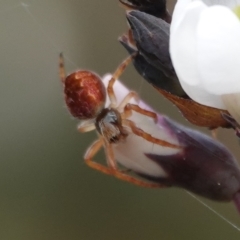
pixel 205 50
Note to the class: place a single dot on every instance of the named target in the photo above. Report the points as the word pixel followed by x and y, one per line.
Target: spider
pixel 85 96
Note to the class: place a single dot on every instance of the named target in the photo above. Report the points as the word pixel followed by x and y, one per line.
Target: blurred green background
pixel 46 190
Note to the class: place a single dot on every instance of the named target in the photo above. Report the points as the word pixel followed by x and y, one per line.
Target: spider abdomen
pixel 85 94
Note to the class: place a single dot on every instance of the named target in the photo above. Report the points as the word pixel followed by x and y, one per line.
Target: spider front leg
pixel 92 151
pixel 133 107
pixel 115 76
pixel 139 132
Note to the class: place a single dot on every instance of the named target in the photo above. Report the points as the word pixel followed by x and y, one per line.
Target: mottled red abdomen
pixel 85 94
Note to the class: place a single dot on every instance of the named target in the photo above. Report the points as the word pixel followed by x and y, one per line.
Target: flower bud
pixel 200 164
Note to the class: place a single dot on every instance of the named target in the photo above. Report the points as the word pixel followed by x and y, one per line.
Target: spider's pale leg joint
pixel 86 127
pixel 91 152
pixel 126 100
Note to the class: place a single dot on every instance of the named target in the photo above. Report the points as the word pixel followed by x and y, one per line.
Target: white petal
pixel 228 3
pixel 183 53
pixel 179 11
pixel 232 102
pixel 200 95
pixel 218 41
pixel 183 44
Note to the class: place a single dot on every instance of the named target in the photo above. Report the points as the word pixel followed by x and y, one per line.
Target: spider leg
pixel 214 133
pixel 86 126
pixel 126 100
pixel 115 76
pixel 92 151
pixel 62 72
pixel 111 161
pixel 127 5
pixel 139 132
pixel 133 107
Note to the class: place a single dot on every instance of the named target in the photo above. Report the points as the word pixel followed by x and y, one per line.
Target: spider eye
pixel 85 94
